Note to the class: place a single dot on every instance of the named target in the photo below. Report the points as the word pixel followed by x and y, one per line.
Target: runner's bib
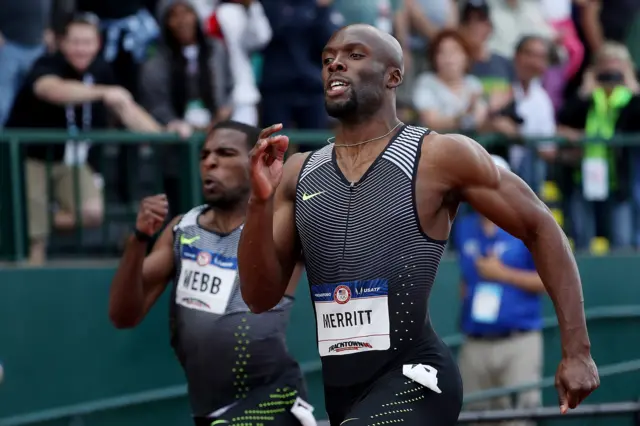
pixel 352 317
pixel 206 280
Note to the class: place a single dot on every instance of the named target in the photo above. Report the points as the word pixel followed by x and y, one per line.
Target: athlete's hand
pixel 267 160
pixel 152 214
pixel 576 378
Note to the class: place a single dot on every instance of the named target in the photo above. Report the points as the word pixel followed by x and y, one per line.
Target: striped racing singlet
pixel 369 264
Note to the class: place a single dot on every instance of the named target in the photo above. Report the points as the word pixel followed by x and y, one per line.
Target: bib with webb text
pixel 206 280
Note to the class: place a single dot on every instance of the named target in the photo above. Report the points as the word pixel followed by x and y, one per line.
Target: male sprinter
pixel 237 366
pixel 372 213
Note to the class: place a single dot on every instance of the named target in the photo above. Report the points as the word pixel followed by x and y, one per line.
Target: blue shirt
pixel 494 307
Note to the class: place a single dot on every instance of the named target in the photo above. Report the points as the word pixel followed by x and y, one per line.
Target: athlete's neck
pixel 355 132
pixel 223 221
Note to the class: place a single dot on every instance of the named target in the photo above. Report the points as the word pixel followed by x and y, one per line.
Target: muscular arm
pixel 514 207
pixel 140 280
pixel 269 247
pixel 58 91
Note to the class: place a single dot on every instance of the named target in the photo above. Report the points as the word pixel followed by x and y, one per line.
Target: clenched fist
pixel 152 214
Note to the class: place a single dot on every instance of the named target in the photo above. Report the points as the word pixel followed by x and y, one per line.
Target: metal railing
pixel 179 391
pixel 13 140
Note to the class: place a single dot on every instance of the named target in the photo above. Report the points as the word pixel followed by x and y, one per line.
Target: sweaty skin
pixel 452 169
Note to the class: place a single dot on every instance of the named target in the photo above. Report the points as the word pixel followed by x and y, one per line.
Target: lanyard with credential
pixel 75 153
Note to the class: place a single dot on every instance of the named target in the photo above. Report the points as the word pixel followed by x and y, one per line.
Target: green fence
pixel 64 360
pixel 13 228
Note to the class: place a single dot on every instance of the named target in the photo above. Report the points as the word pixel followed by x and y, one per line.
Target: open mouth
pixel 209 183
pixel 337 88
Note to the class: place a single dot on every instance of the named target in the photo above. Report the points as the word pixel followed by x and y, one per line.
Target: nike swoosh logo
pixel 219 422
pixel 306 196
pixel 188 241
pixel 348 420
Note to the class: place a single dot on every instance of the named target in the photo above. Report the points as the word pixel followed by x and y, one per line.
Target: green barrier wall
pixel 58 347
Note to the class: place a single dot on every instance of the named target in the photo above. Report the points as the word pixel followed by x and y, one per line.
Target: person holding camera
pixel 598 178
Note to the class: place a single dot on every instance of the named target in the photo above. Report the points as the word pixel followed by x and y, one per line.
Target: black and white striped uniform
pixel 371 268
pixel 230 356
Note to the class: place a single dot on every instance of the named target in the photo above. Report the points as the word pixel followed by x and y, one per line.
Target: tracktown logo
pixel 349 346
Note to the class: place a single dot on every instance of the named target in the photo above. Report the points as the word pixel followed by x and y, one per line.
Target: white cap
pixel 500 162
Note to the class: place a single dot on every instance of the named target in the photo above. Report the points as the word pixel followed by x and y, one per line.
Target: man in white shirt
pixel 531 114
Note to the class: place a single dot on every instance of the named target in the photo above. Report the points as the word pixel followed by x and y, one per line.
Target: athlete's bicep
pixel 513 206
pixel 285 234
pixel 463 162
pixel 158 266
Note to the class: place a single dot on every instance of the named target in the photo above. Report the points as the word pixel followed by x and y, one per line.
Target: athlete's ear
pixel 395 78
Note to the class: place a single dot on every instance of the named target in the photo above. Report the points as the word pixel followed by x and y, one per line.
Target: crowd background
pixel 561 73
pixel 518 69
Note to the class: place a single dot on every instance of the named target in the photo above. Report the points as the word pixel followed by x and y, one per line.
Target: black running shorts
pixel 269 406
pixel 394 398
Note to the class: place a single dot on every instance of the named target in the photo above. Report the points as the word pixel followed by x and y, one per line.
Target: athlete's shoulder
pixel 460 158
pixel 187 219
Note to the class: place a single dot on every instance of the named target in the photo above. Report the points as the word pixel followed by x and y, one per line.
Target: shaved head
pixel 362 67
pixel 384 44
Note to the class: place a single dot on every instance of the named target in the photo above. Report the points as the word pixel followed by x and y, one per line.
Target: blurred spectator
pixel 607 20
pixel 531 114
pixel 127 28
pixel 425 19
pixel 292 89
pixel 244 29
pixel 501 313
pixel 24 29
pixel 514 19
pixel 494 71
pixel 598 179
pixel 184 86
pixel 449 98
pixel 69 90
pixel 569 47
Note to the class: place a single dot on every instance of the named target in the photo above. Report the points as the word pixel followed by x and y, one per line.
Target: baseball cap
pixel 478 6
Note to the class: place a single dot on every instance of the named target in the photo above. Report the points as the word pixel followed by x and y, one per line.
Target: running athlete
pixel 236 363
pixel 372 213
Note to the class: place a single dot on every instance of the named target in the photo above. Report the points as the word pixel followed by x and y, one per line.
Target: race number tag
pixel 485 306
pixel 206 280
pixel 595 179
pixel 352 317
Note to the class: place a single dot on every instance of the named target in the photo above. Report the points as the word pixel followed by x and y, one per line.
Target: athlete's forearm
pixel 558 270
pixel 126 298
pixel 262 277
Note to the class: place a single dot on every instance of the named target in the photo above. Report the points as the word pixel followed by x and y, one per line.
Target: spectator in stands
pixel 530 114
pixel 292 89
pixel 569 48
pixel 448 98
pixel 597 179
pixel 184 86
pixel 514 19
pixel 244 29
pixel 128 27
pixel 494 71
pixel 70 90
pixel 607 20
pixel 24 30
pixel 425 19
pixel 501 313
